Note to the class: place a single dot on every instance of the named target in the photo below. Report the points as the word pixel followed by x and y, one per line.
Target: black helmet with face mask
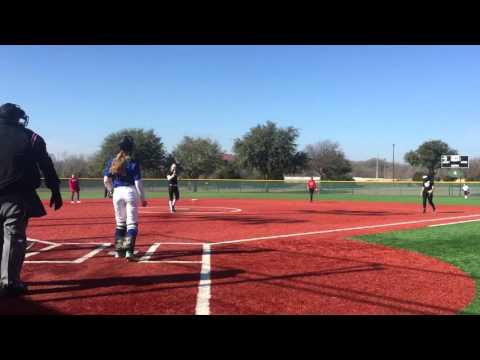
pixel 13 113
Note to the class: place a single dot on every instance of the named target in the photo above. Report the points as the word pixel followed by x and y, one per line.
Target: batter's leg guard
pixel 130 238
pixel 120 232
pixel 129 243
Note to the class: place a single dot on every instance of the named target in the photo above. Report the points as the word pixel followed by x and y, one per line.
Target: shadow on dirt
pixel 59 286
pixel 355 212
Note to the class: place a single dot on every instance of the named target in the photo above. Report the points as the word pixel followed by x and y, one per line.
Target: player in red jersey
pixel 311 187
pixel 74 185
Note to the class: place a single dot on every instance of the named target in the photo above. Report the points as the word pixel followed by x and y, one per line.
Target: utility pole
pixel 393 163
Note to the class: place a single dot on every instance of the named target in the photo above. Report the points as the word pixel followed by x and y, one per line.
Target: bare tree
pixel 327 159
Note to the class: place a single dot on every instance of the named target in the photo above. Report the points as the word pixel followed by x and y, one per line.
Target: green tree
pixel 428 155
pixel 149 150
pixel 229 170
pixel 197 156
pixel 328 160
pixel 268 149
pixel 299 162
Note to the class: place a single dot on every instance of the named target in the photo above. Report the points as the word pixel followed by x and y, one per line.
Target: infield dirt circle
pixel 226 256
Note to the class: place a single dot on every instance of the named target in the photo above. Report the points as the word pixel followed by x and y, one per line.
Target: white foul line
pixel 204 293
pixel 454 223
pixel 343 229
pixel 91 253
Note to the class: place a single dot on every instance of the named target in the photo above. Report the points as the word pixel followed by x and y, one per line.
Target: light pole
pixel 393 163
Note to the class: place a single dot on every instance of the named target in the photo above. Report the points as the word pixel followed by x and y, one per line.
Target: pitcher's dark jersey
pixel 428 183
pixel 173 180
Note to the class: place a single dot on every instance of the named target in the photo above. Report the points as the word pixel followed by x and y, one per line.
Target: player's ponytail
pixel 120 161
pixel 118 164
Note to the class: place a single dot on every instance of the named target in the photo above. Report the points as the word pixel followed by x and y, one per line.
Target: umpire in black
pixel 22 154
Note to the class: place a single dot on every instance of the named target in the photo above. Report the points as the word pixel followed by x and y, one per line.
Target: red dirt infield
pixel 227 256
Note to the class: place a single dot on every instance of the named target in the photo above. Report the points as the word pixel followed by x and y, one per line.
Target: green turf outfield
pixel 456 244
pixel 475 201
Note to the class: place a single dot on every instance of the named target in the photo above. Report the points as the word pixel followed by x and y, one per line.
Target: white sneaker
pixel 117 254
pixel 129 255
pixel 72 202
pixel 78 202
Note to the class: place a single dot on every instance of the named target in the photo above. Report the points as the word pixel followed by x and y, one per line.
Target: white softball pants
pixel 125 205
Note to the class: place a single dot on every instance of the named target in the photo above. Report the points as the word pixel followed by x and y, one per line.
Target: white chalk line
pixel 171 262
pixel 30 254
pixel 204 285
pixel 91 253
pixel 454 223
pixel 186 210
pixel 149 252
pixel 280 236
pixel 41 241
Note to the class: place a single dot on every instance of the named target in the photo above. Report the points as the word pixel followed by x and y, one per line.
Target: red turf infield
pixel 319 273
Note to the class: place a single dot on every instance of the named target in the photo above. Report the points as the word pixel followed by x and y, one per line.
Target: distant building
pixel 228 157
pixel 300 178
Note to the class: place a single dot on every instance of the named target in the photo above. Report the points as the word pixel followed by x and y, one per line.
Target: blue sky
pixel 365 97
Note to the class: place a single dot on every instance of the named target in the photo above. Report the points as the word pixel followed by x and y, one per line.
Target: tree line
pixel 266 151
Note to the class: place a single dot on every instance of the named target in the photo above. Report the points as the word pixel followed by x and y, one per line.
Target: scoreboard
pixel 454 161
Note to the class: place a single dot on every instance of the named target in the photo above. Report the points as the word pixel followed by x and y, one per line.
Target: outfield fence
pixel 397 188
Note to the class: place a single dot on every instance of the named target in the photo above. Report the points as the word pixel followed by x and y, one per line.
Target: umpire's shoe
pixel 13 290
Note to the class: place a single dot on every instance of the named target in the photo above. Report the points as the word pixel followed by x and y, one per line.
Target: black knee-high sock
pixel 120 232
pixel 430 201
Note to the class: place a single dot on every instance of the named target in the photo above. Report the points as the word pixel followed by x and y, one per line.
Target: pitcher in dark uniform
pixel 22 154
pixel 427 192
pixel 173 193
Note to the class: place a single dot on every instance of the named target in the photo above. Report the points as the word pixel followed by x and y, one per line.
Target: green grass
pixel 455 244
pixel 474 201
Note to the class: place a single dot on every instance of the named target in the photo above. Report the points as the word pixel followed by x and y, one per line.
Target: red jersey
pixel 74 184
pixel 312 184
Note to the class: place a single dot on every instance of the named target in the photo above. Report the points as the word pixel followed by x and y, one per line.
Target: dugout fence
pixel 397 188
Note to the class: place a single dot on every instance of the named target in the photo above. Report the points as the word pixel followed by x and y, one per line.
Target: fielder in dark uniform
pixel 427 192
pixel 22 154
pixel 173 193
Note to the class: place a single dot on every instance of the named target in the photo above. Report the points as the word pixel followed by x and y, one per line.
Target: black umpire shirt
pixel 22 153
